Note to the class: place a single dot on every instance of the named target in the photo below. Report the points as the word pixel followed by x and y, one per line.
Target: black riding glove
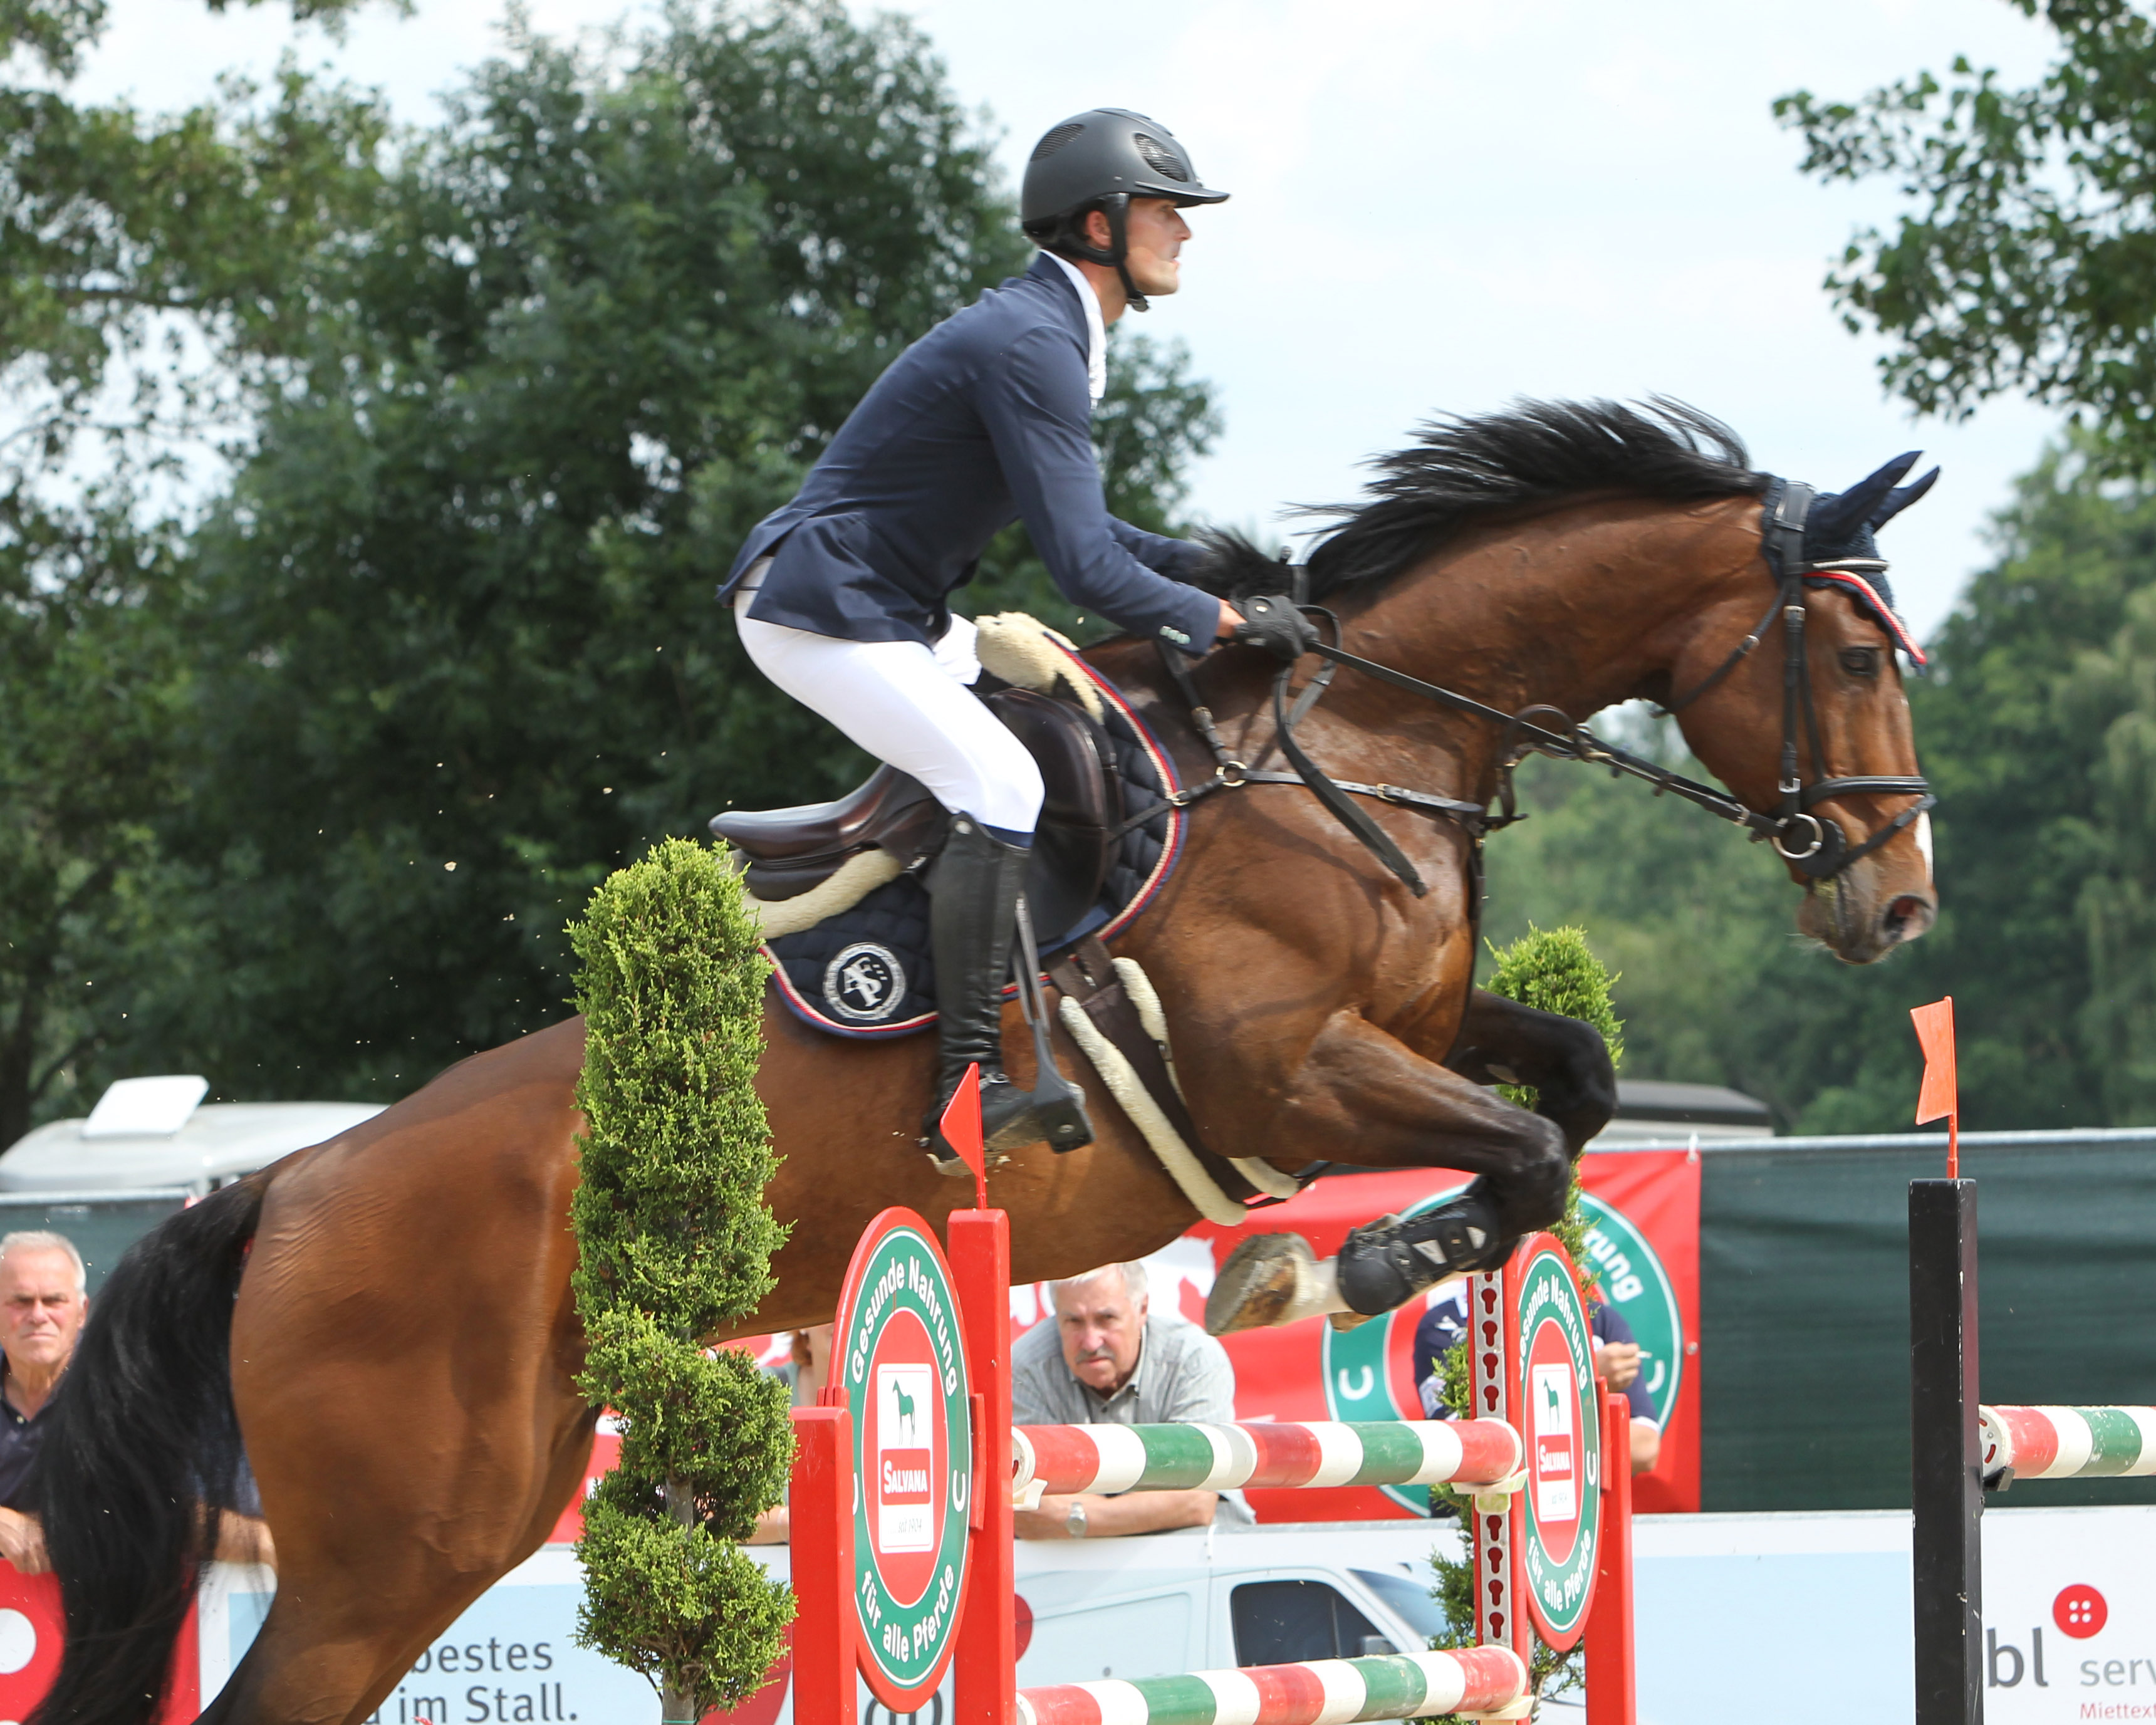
pixel 1271 621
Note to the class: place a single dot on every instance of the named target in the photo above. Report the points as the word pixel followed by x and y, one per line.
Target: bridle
pixel 1815 844
pixel 1823 851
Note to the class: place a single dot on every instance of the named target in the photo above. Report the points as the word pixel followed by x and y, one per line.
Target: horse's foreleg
pixel 1362 1087
pixel 1366 1090
pixel 1566 1060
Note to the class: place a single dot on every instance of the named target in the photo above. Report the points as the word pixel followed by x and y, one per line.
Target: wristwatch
pixel 1075 1520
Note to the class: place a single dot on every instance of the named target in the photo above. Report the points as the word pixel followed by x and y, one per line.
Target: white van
pixel 155 1135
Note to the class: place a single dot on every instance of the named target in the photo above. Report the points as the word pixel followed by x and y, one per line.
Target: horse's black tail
pixel 141 1450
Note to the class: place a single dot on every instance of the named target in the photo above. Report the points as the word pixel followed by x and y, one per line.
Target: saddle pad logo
pixel 864 982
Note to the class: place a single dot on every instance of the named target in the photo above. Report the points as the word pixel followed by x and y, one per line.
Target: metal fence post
pixel 1946 1484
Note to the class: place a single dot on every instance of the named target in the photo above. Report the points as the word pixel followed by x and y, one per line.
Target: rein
pixel 1815 844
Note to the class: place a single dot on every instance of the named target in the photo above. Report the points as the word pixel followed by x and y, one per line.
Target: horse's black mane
pixel 1460 470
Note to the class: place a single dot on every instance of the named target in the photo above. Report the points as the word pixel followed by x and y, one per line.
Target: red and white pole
pixel 820 1515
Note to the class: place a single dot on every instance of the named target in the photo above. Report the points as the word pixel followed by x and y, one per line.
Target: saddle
pixel 791 851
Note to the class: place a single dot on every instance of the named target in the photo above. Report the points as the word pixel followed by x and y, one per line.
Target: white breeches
pixel 908 705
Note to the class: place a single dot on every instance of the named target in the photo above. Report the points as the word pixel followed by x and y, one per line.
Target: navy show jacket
pixel 985 420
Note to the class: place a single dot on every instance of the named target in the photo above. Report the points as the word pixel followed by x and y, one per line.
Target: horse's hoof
pixel 1264 1279
pixel 1346 1321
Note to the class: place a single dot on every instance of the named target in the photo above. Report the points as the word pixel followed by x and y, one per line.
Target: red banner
pixel 1643 1250
pixel 1642 1247
pixel 1642 1210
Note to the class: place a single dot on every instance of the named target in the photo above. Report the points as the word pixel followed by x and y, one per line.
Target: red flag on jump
pixel 962 1131
pixel 1940 1098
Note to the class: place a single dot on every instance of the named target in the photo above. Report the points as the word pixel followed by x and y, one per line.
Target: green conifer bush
pixel 1556 970
pixel 675 1245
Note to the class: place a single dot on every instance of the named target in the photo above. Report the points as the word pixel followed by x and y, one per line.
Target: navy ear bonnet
pixel 1842 528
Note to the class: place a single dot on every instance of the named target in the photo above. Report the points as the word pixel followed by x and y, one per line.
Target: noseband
pixel 1814 844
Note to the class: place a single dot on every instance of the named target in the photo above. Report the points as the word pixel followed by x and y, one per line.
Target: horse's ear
pixel 1836 520
pixel 1900 498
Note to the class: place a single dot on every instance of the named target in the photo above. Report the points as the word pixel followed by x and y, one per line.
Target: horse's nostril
pixel 1907 916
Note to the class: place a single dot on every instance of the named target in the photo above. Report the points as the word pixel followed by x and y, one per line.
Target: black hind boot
pixel 1385 1263
pixel 974 889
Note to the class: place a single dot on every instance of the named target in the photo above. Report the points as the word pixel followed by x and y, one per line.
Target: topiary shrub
pixel 1556 970
pixel 674 1244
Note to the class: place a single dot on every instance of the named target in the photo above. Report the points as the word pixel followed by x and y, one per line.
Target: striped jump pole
pixel 1474 1681
pixel 1064 1459
pixel 2068 1443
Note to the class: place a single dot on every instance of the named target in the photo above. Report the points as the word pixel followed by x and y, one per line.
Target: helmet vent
pixel 1157 156
pixel 1056 138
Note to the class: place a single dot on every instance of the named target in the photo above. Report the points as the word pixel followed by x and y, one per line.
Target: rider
pixel 842 597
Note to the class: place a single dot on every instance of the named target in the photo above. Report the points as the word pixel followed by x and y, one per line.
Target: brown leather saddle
pixel 792 850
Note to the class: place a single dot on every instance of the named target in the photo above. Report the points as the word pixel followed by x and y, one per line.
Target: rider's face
pixel 1156 230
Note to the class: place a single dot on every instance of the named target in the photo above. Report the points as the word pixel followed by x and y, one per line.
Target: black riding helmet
pixel 1101 160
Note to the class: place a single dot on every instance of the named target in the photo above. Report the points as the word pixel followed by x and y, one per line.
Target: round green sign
pixel 902 1367
pixel 1556 1409
pixel 1639 1289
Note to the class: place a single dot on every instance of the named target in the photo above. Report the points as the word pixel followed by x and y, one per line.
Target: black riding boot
pixel 1385 1263
pixel 973 893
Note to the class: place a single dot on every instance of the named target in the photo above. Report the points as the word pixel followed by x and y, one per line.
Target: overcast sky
pixel 1438 206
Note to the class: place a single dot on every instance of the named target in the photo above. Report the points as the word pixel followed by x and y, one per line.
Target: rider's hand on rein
pixel 1271 621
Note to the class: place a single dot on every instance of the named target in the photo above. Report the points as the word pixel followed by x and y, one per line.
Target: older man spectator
pixel 43 1300
pixel 1106 1360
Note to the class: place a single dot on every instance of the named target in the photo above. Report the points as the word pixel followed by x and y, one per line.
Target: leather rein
pixel 1815 844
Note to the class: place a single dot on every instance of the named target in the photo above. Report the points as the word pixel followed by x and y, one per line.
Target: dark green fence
pixel 1804 1304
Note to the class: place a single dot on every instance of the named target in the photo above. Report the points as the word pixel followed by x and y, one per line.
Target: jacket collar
pixel 1082 301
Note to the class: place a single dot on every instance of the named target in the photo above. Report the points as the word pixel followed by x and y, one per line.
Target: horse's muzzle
pixel 1908 917
pixel 1861 926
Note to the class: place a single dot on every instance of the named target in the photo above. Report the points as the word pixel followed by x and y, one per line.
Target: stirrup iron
pixel 1057 1105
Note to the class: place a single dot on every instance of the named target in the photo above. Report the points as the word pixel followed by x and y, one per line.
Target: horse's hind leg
pixel 354 1610
pixel 326 1655
pixel 403 1368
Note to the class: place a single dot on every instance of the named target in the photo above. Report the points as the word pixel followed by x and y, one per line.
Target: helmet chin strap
pixel 1116 206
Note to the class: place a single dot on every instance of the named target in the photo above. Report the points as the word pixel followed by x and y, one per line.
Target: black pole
pixel 1946 1482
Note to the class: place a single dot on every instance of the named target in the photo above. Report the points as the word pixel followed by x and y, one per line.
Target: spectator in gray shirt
pixel 1105 1360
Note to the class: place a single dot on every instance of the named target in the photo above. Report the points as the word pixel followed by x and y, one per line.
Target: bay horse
pixel 389 1312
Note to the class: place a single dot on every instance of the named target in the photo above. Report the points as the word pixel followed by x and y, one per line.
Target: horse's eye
pixel 1861 662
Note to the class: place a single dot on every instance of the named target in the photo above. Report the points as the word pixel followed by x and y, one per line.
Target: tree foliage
pixel 2112 695
pixel 90 679
pixel 674 1243
pixel 2027 260
pixel 501 396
